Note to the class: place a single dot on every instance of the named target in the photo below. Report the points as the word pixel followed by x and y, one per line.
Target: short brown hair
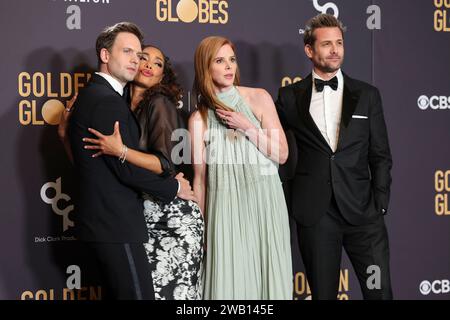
pixel 321 21
pixel 107 37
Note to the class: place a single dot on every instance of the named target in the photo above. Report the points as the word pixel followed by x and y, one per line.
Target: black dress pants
pixel 125 269
pixel 367 247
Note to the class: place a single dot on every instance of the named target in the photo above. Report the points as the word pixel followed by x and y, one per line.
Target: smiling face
pixel 223 68
pixel 327 52
pixel 122 60
pixel 151 68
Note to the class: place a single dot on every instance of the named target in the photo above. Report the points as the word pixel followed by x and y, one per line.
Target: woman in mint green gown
pixel 237 143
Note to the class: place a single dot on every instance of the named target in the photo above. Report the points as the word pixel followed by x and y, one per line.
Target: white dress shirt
pixel 117 86
pixel 326 109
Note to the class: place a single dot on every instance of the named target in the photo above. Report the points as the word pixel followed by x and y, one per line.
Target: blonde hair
pixel 203 82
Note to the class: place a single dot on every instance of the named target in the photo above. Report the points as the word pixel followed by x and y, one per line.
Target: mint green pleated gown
pixel 248 240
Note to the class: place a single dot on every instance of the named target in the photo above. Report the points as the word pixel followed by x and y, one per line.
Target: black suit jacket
pixel 358 173
pixel 110 206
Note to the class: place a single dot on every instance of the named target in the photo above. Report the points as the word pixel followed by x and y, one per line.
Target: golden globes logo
pixel 441 23
pixel 84 293
pixel 205 11
pixel 442 187
pixel 301 286
pixel 73 290
pixel 33 87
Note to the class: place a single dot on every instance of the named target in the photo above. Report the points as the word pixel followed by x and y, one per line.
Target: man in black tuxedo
pixel 109 213
pixel 339 193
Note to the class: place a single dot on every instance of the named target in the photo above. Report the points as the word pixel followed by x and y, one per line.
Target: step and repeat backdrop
pixel 48 54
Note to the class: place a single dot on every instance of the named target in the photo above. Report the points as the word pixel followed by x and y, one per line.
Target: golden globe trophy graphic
pixel 51 111
pixel 187 10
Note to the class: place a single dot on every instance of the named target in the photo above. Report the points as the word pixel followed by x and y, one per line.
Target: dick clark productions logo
pixel 56 186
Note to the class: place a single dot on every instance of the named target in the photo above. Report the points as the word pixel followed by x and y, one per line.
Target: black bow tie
pixel 320 84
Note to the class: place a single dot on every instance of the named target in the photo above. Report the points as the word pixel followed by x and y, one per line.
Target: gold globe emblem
pixel 51 111
pixel 187 10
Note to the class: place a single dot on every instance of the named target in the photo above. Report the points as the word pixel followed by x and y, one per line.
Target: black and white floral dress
pixel 175 248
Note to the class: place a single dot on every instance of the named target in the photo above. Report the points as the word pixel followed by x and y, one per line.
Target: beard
pixel 327 67
pixel 330 69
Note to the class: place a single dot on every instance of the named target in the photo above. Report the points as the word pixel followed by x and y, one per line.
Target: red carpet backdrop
pixel 402 47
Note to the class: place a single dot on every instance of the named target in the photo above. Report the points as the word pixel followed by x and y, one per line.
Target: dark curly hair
pixel 169 85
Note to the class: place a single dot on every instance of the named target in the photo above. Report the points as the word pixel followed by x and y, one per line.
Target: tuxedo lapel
pixel 134 116
pixel 304 94
pixel 102 81
pixel 349 103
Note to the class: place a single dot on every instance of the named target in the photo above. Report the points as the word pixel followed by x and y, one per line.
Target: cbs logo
pixel 206 11
pixel 434 102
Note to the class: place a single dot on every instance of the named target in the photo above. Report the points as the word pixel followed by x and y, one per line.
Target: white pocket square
pixel 355 116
